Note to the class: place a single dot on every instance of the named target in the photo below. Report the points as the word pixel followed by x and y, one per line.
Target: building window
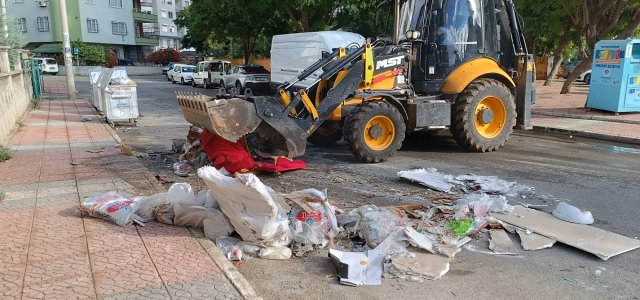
pixel 89 1
pixel 115 3
pixel 22 24
pixel 18 1
pixel 92 25
pixel 165 27
pixel 170 15
pixel 169 2
pixel 119 28
pixel 164 43
pixel 163 13
pixel 43 23
pixel 172 28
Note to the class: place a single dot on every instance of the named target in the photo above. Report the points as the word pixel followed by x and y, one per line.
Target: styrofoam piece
pixel 572 214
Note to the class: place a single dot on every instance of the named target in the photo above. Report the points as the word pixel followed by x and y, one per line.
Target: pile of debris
pixel 247 218
pixel 202 148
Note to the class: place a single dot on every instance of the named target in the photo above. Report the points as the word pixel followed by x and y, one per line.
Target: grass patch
pixel 20 123
pixel 4 154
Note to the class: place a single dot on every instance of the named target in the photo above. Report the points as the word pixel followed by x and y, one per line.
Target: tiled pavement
pixel 566 113
pixel 49 250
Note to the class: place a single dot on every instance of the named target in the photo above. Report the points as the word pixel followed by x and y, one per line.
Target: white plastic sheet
pixel 250 206
pixel 492 203
pixel 572 214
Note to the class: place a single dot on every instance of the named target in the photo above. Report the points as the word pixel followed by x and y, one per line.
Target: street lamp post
pixel 68 59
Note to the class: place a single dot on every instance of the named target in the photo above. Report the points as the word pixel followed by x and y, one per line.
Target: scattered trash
pixel 125 149
pixel 181 169
pixel 422 241
pixel 358 268
pixel 86 118
pixel 110 206
pixel 377 224
pixel 147 205
pixel 483 203
pixel 460 227
pixel 275 252
pixel 230 247
pixel 598 272
pixel 572 214
pixel 96 150
pixel 567 279
pixel 418 267
pixel 534 241
pixel 430 178
pixel 2 195
pixel 487 184
pixel 194 216
pixel 603 244
pixel 500 243
pixel 395 243
pixel 250 206
pixel 164 213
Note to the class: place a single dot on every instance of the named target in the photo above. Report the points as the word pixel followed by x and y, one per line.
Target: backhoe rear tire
pixel 484 116
pixel 324 137
pixel 374 131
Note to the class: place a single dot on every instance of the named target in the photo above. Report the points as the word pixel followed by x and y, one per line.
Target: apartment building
pixel 127 27
pixel 167 10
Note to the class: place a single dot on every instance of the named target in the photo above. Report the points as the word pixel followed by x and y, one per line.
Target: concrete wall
pixel 132 71
pixel 14 97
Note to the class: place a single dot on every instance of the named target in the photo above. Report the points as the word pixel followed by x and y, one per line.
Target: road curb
pixel 599 136
pixel 229 270
pixel 574 116
pixel 239 282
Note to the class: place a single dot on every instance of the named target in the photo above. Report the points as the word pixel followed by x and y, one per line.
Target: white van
pixel 209 73
pixel 293 53
pixel 48 65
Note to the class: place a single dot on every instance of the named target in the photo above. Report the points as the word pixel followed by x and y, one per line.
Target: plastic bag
pixel 377 224
pixel 493 203
pixel 147 205
pixel 310 228
pixel 110 206
pixel 181 169
pixel 230 247
pixel 164 213
pixel 250 206
pixel 194 216
pixel 208 199
pixel 572 214
pixel 183 193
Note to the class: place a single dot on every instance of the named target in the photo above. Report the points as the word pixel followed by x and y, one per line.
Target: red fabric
pixel 282 164
pixel 232 156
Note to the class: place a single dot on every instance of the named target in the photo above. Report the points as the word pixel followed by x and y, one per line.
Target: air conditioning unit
pixel 42 3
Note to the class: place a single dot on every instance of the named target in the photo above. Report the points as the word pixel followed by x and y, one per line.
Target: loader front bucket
pixel 236 117
pixel 229 118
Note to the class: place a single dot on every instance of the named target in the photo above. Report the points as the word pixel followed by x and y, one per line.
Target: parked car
pixel 166 69
pixel 209 73
pixel 182 73
pixel 255 77
pixel 172 70
pixel 293 53
pixel 567 68
pixel 48 65
pixel 125 62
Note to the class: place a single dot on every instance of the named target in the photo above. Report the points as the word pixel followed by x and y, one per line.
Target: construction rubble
pixel 246 219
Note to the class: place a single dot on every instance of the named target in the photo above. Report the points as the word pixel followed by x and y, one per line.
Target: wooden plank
pixel 599 242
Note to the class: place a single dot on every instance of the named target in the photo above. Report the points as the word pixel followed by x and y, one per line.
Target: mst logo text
pixel 389 62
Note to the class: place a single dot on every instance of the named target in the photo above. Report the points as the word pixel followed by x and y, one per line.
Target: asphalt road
pixel 594 175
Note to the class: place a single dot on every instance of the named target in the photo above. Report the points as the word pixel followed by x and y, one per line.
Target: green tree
pixel 91 55
pixel 15 39
pixel 597 20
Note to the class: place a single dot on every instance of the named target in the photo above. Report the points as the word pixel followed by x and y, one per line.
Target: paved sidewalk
pixel 49 250
pixel 554 112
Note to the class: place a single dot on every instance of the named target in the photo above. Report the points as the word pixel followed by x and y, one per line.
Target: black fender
pixel 390 98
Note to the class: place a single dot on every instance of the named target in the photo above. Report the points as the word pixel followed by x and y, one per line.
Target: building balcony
pixel 146 2
pixel 144 16
pixel 147 39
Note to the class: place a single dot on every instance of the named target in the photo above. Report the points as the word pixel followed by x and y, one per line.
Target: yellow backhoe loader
pixel 460 65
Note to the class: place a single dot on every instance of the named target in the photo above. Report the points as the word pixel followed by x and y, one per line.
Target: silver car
pixel 567 68
pixel 255 77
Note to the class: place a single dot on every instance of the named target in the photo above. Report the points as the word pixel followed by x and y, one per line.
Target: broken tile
pixel 534 241
pixel 500 243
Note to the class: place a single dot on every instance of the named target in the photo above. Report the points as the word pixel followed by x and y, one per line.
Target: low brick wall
pixel 14 95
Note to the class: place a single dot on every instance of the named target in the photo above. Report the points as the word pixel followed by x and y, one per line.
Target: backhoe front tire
pixel 324 137
pixel 374 131
pixel 484 116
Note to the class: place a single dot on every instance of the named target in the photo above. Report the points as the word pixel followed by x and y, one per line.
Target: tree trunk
pixel 581 68
pixel 557 62
pixel 558 57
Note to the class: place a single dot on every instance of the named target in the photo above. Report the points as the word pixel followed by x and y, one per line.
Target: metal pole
pixel 68 59
pixel 3 10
